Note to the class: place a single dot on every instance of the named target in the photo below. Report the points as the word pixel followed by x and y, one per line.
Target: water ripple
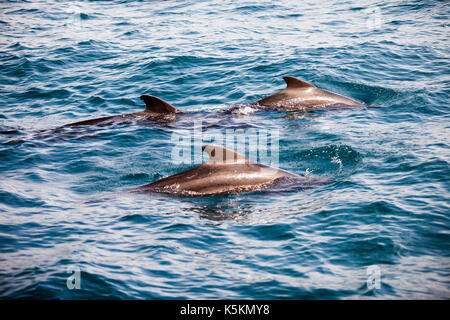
pixel 63 191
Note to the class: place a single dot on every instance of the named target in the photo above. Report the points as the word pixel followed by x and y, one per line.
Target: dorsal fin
pixel 222 155
pixel 157 105
pixel 294 83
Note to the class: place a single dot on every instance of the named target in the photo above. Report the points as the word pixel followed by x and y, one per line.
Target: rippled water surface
pixel 63 199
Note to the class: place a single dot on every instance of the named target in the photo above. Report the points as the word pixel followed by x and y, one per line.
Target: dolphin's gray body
pixel 156 110
pixel 300 95
pixel 225 172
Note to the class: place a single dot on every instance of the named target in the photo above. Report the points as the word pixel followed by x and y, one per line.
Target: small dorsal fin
pixel 155 104
pixel 222 155
pixel 294 83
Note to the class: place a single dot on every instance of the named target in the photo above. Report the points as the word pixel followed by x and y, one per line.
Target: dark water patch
pixel 135 176
pixel 255 8
pixel 96 100
pixel 41 93
pixel 131 33
pixel 8 243
pixel 6 131
pixel 85 16
pixel 135 218
pixel 270 232
pixel 367 251
pixel 421 172
pixel 21 11
pixel 178 227
pixel 16 68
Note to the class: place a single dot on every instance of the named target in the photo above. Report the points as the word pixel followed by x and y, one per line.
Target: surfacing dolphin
pixel 227 172
pixel 157 110
pixel 300 95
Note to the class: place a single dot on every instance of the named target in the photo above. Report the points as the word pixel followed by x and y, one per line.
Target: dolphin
pixel 156 110
pixel 301 95
pixel 226 172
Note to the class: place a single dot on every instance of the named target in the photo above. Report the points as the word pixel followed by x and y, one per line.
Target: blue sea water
pixel 63 200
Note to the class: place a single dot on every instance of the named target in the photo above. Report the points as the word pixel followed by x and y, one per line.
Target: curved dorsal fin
pixel 222 155
pixel 294 83
pixel 155 104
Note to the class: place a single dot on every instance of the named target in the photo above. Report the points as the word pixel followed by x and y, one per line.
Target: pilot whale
pixel 156 110
pixel 227 172
pixel 301 95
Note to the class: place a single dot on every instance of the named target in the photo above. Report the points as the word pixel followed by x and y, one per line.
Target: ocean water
pixel 379 230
